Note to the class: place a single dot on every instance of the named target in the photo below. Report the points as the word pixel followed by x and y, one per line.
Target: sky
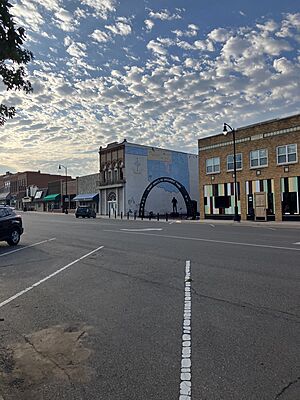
pixel 161 73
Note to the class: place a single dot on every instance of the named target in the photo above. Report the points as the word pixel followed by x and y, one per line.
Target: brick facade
pixel 281 183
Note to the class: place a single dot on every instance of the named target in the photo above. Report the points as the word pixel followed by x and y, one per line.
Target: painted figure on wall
pixel 174 203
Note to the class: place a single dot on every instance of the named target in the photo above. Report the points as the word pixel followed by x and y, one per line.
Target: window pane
pixel 291 148
pixel 239 157
pixel 264 161
pixel 239 165
pixel 254 154
pixel 230 158
pixel 281 159
pixel 230 166
pixel 217 168
pixel 209 169
pixel 254 163
pixel 209 162
pixel 292 157
pixel 281 150
pixel 263 153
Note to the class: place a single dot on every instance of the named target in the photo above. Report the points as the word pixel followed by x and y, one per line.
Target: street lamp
pixel 236 210
pixel 60 166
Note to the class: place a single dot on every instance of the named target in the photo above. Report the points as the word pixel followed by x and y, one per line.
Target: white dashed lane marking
pixel 141 230
pixel 186 349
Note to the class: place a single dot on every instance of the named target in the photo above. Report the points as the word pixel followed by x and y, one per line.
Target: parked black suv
pixel 11 227
pixel 85 212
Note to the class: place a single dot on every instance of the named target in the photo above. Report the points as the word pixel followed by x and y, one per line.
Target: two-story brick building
pixel 14 187
pixel 268 171
pixel 127 169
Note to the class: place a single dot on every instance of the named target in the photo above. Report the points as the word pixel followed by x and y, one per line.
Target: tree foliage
pixel 13 57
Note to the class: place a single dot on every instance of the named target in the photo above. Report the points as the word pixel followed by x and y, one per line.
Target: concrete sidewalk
pixel 270 224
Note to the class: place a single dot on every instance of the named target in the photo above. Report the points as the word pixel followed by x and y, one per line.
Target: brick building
pixel 268 172
pixel 14 187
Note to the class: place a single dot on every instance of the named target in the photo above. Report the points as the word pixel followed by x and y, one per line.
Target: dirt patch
pixel 54 354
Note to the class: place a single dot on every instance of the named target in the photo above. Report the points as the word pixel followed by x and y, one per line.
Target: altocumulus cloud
pixel 160 79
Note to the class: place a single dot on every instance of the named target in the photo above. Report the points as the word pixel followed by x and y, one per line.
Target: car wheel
pixel 76 216
pixel 14 237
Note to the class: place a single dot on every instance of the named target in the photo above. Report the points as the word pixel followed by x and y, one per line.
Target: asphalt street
pixel 127 310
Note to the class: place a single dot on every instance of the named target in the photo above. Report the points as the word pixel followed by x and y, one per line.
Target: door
pixel 112 208
pixel 260 205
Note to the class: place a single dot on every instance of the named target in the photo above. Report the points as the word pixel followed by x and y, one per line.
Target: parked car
pixel 85 212
pixel 11 226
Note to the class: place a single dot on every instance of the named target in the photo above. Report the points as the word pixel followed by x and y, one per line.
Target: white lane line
pixel 208 240
pixel 297 243
pixel 141 230
pixel 212 225
pixel 186 349
pixel 47 277
pixel 26 247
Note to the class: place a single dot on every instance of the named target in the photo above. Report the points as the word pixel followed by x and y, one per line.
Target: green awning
pixel 52 197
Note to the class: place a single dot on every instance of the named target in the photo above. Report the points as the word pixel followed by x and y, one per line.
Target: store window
pixel 258 158
pixel 230 162
pixel 286 154
pixel 213 165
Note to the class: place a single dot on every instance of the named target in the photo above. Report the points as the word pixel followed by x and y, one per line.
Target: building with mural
pixel 268 172
pixel 127 169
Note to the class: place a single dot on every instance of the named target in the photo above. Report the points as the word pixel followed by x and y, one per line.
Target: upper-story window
pixel 286 154
pixel 259 158
pixel 230 162
pixel 213 165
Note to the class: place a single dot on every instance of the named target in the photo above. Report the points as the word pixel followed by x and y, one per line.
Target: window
pixel 259 158
pixel 213 165
pixel 230 162
pixel 287 154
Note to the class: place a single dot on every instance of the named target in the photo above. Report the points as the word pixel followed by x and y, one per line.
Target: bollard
pixel 157 216
pixel 115 214
pixel 142 217
pixel 128 215
pixel 121 214
pixel 134 215
pixel 167 217
pixel 109 214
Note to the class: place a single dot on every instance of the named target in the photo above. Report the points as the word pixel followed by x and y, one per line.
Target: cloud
pixel 164 15
pixel 64 20
pixel 77 49
pixel 156 48
pixel 119 28
pixel 100 36
pixel 149 24
pixel 190 32
pixel 102 8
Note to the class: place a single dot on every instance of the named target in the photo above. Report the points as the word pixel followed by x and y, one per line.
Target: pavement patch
pixel 55 354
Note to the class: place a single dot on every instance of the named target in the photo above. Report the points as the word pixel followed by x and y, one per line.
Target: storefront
pixel 5 199
pixel 52 202
pixel 88 199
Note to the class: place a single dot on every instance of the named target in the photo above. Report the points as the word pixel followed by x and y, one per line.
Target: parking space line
pixel 26 247
pixel 22 292
pixel 186 349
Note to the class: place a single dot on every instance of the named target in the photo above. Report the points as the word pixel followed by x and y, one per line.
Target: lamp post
pixel 236 210
pixel 60 166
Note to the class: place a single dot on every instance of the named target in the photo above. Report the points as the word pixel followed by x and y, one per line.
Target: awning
pixel 52 197
pixel 86 197
pixel 4 196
